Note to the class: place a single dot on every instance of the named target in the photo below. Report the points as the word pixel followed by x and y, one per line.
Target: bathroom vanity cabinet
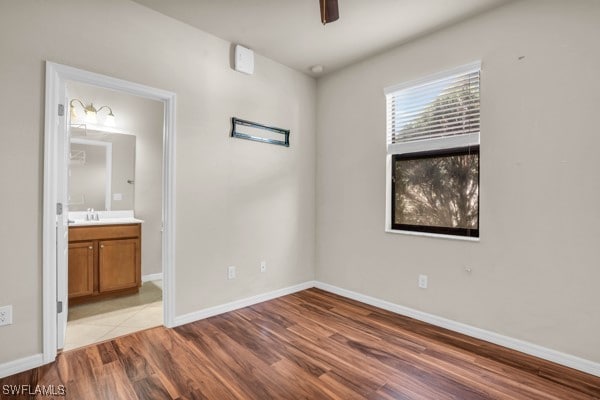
pixel 104 261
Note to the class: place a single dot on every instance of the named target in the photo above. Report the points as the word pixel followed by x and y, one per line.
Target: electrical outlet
pixel 6 315
pixel 423 281
pixel 231 273
pixel 263 266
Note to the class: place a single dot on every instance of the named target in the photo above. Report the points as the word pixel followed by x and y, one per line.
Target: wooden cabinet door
pixel 119 264
pixel 81 269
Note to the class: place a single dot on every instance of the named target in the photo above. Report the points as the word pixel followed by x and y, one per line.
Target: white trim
pixel 388 192
pixel 54 92
pixel 20 365
pixel 109 82
pixel 87 128
pixel 237 304
pixel 152 277
pixel 463 69
pixel 446 142
pixel 56 77
pixel 168 211
pixel 535 350
pixel 432 235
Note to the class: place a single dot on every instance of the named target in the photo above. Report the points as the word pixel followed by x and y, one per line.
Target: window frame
pixel 439 145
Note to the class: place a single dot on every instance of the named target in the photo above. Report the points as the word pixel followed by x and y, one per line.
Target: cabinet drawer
pixel 81 233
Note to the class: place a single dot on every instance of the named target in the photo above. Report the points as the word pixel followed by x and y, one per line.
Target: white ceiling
pixel 290 31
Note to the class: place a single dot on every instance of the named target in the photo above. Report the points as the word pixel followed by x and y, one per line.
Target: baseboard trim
pixel 152 277
pixel 567 360
pixel 20 365
pixel 237 304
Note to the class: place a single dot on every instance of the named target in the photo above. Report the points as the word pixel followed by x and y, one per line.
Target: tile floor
pixel 95 322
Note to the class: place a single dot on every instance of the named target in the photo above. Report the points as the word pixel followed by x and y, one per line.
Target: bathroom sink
pixel 105 221
pixel 84 218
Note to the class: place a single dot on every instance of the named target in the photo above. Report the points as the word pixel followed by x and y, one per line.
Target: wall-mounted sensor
pixel 244 60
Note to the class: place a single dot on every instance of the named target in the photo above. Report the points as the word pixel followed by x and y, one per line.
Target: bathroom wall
pixel 144 119
pixel 237 202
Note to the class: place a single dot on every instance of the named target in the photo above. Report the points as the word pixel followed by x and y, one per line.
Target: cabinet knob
pixel 91 247
pixel 101 246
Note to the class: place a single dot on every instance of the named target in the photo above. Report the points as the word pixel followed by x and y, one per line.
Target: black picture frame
pixel 238 124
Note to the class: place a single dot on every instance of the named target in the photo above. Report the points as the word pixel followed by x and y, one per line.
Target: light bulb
pixel 90 117
pixel 110 120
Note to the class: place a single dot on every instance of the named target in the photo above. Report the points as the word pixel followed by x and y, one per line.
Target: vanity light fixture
pixel 91 113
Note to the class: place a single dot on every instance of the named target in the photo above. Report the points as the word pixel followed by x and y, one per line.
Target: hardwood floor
pixel 309 345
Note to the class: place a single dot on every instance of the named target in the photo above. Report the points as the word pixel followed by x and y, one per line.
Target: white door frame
pixel 57 76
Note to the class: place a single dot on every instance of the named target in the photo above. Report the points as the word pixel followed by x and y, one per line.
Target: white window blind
pixel 440 111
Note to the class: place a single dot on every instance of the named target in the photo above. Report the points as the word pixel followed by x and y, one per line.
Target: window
pixel 433 129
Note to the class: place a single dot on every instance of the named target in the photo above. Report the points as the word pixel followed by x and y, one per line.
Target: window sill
pixel 433 235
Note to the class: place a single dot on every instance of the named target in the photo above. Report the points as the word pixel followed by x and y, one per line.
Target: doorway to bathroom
pixel 108 208
pixel 114 268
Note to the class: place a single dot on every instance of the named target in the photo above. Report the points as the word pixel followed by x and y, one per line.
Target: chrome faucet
pixel 92 215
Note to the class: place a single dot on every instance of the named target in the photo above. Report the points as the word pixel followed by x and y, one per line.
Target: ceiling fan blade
pixel 329 11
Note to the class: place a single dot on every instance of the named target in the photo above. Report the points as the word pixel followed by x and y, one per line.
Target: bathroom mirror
pixel 102 171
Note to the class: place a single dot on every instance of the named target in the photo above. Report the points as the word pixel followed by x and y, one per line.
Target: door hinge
pixel 59 307
pixel 61 110
pixel 59 208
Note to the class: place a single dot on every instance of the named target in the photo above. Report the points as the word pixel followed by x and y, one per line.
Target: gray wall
pixel 237 201
pixel 535 271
